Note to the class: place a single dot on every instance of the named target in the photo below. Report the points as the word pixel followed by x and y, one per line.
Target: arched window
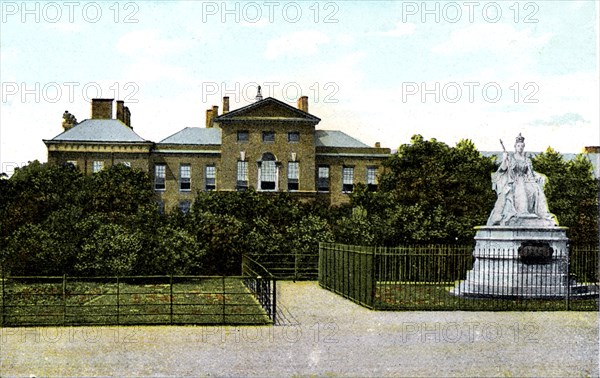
pixel 268 173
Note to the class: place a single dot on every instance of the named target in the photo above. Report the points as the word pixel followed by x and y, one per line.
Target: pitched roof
pixel 289 112
pixel 195 135
pixel 334 138
pixel 99 130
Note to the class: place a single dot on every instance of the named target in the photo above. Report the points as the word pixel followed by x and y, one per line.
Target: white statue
pixel 521 200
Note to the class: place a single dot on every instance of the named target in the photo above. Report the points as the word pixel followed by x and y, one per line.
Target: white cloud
pixel 401 29
pixel 301 43
pixel 568 119
pixel 256 24
pixel 149 42
pixel 498 38
pixel 68 27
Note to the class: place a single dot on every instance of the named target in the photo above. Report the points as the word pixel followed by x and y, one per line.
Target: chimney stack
pixel 102 108
pixel 225 104
pixel 127 116
pixel 121 111
pixel 377 145
pixel 209 117
pixel 303 103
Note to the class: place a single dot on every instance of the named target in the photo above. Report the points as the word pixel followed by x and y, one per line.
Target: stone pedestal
pixel 529 262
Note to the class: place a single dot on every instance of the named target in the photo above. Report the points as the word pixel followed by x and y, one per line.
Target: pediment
pixel 269 108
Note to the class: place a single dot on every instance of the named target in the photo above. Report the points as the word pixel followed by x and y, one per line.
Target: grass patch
pixel 436 296
pixel 131 301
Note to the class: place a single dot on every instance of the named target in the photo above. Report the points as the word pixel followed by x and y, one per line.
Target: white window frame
pixel 97 166
pixel 210 177
pixel 323 172
pixel 347 179
pixel 293 173
pixel 160 177
pixel 185 178
pixel 372 178
pixel 242 175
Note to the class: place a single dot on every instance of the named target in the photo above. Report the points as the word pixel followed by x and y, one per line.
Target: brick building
pixel 267 145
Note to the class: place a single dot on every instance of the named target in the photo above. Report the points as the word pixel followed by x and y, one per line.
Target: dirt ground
pixel 320 334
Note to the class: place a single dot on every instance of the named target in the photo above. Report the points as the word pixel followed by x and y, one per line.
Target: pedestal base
pixel 521 262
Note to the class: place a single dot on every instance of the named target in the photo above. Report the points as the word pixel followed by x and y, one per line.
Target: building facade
pixel 268 145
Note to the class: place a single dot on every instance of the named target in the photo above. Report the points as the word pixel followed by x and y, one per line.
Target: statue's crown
pixel 520 139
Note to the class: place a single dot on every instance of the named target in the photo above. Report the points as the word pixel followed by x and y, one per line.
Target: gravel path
pixel 321 334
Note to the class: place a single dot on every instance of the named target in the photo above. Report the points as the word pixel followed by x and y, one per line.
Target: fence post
pixel 223 290
pixel 274 300
pixel 568 277
pixel 3 297
pixel 118 300
pixel 64 294
pixel 171 299
pixel 295 265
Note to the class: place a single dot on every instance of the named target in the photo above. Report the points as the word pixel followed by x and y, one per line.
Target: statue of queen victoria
pixel 521 200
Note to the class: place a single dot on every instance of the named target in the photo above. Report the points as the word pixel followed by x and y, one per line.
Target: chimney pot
pixel 303 103
pixel 102 108
pixel 225 104
pixel 377 145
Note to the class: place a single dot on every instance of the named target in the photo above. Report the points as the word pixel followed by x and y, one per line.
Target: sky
pixel 381 71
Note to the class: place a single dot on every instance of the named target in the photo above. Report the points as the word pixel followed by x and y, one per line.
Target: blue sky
pixel 381 71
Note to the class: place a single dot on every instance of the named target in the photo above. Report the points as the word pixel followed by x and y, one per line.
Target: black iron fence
pixel 291 266
pixel 61 301
pixel 262 284
pixel 439 277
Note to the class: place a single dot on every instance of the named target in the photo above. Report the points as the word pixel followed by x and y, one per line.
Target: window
pixel 347 179
pixel 72 162
pixel 242 175
pixel 268 136
pixel 184 206
pixel 294 137
pixel 293 175
pixel 185 177
pixel 372 179
pixel 268 172
pixel 159 177
pixel 97 166
pixel 210 178
pixel 323 178
pixel 243 136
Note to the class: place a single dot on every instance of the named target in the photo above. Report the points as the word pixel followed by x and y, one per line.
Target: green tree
pixel 430 193
pixel 111 249
pixel 572 194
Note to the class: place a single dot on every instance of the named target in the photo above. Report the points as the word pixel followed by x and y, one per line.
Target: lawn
pixel 142 300
pixel 437 296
